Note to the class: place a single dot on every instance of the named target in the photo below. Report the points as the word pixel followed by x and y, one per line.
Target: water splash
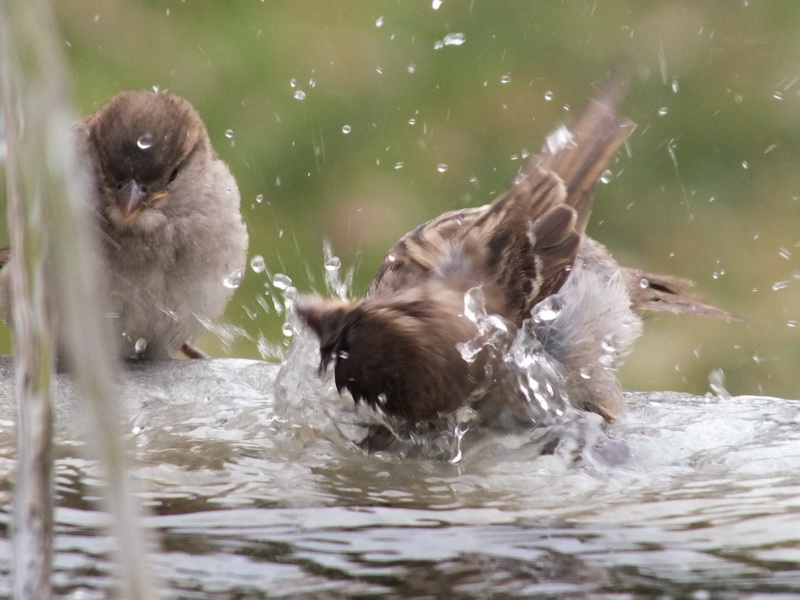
pixel 522 390
pixel 716 381
pixel 334 283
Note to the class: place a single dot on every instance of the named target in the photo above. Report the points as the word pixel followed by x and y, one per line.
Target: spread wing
pixel 521 246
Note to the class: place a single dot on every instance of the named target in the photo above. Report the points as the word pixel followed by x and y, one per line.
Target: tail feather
pixel 579 155
pixel 666 293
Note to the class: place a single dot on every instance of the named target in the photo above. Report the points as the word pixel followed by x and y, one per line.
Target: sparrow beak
pixel 133 198
pixel 130 199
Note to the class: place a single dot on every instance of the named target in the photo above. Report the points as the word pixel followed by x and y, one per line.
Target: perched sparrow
pixel 398 349
pixel 167 215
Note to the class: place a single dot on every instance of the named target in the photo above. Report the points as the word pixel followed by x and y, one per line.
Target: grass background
pixel 708 189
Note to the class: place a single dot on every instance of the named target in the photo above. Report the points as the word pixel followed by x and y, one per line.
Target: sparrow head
pixel 398 354
pixel 142 143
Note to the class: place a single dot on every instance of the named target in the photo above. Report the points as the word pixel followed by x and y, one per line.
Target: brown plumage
pixel 167 219
pixel 397 349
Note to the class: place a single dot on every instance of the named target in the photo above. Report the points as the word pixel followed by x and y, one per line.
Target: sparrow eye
pixel 173 175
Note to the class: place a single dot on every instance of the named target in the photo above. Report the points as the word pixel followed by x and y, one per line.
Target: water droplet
pixel 607 361
pixel 548 95
pixel 334 263
pixel 145 141
pixel 140 346
pixel 312 83
pixel 586 372
pixel 229 133
pixel 342 355
pixel 785 253
pixel 738 98
pixel 257 264
pixel 745 164
pixel 674 85
pixel 346 129
pixel 411 68
pixel 451 39
pixel 260 198
pixel 299 95
pixel 287 330
pixel 548 309
pixel 791 323
pixel 441 167
pixel 777 95
pixel 379 21
pixel 780 285
pixel 391 258
pixel 234 279
pixel 663 111
pixel 435 4
pixel 474 305
pixel 607 176
pixel 398 165
pixel 281 281
pixel 382 399
pixel 412 121
pixel 716 381
pixel 644 283
pixel 610 344
pixel 558 140
pixel 505 79
pixel 139 423
pixel 293 83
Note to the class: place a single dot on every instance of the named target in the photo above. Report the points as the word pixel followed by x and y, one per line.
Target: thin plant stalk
pixel 53 257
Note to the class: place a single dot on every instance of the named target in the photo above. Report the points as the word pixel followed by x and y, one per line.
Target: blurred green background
pixel 356 121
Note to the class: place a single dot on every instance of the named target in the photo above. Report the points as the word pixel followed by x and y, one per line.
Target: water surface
pixel 256 497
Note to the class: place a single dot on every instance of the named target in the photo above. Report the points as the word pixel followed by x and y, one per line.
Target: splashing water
pixel 522 391
pixel 333 282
